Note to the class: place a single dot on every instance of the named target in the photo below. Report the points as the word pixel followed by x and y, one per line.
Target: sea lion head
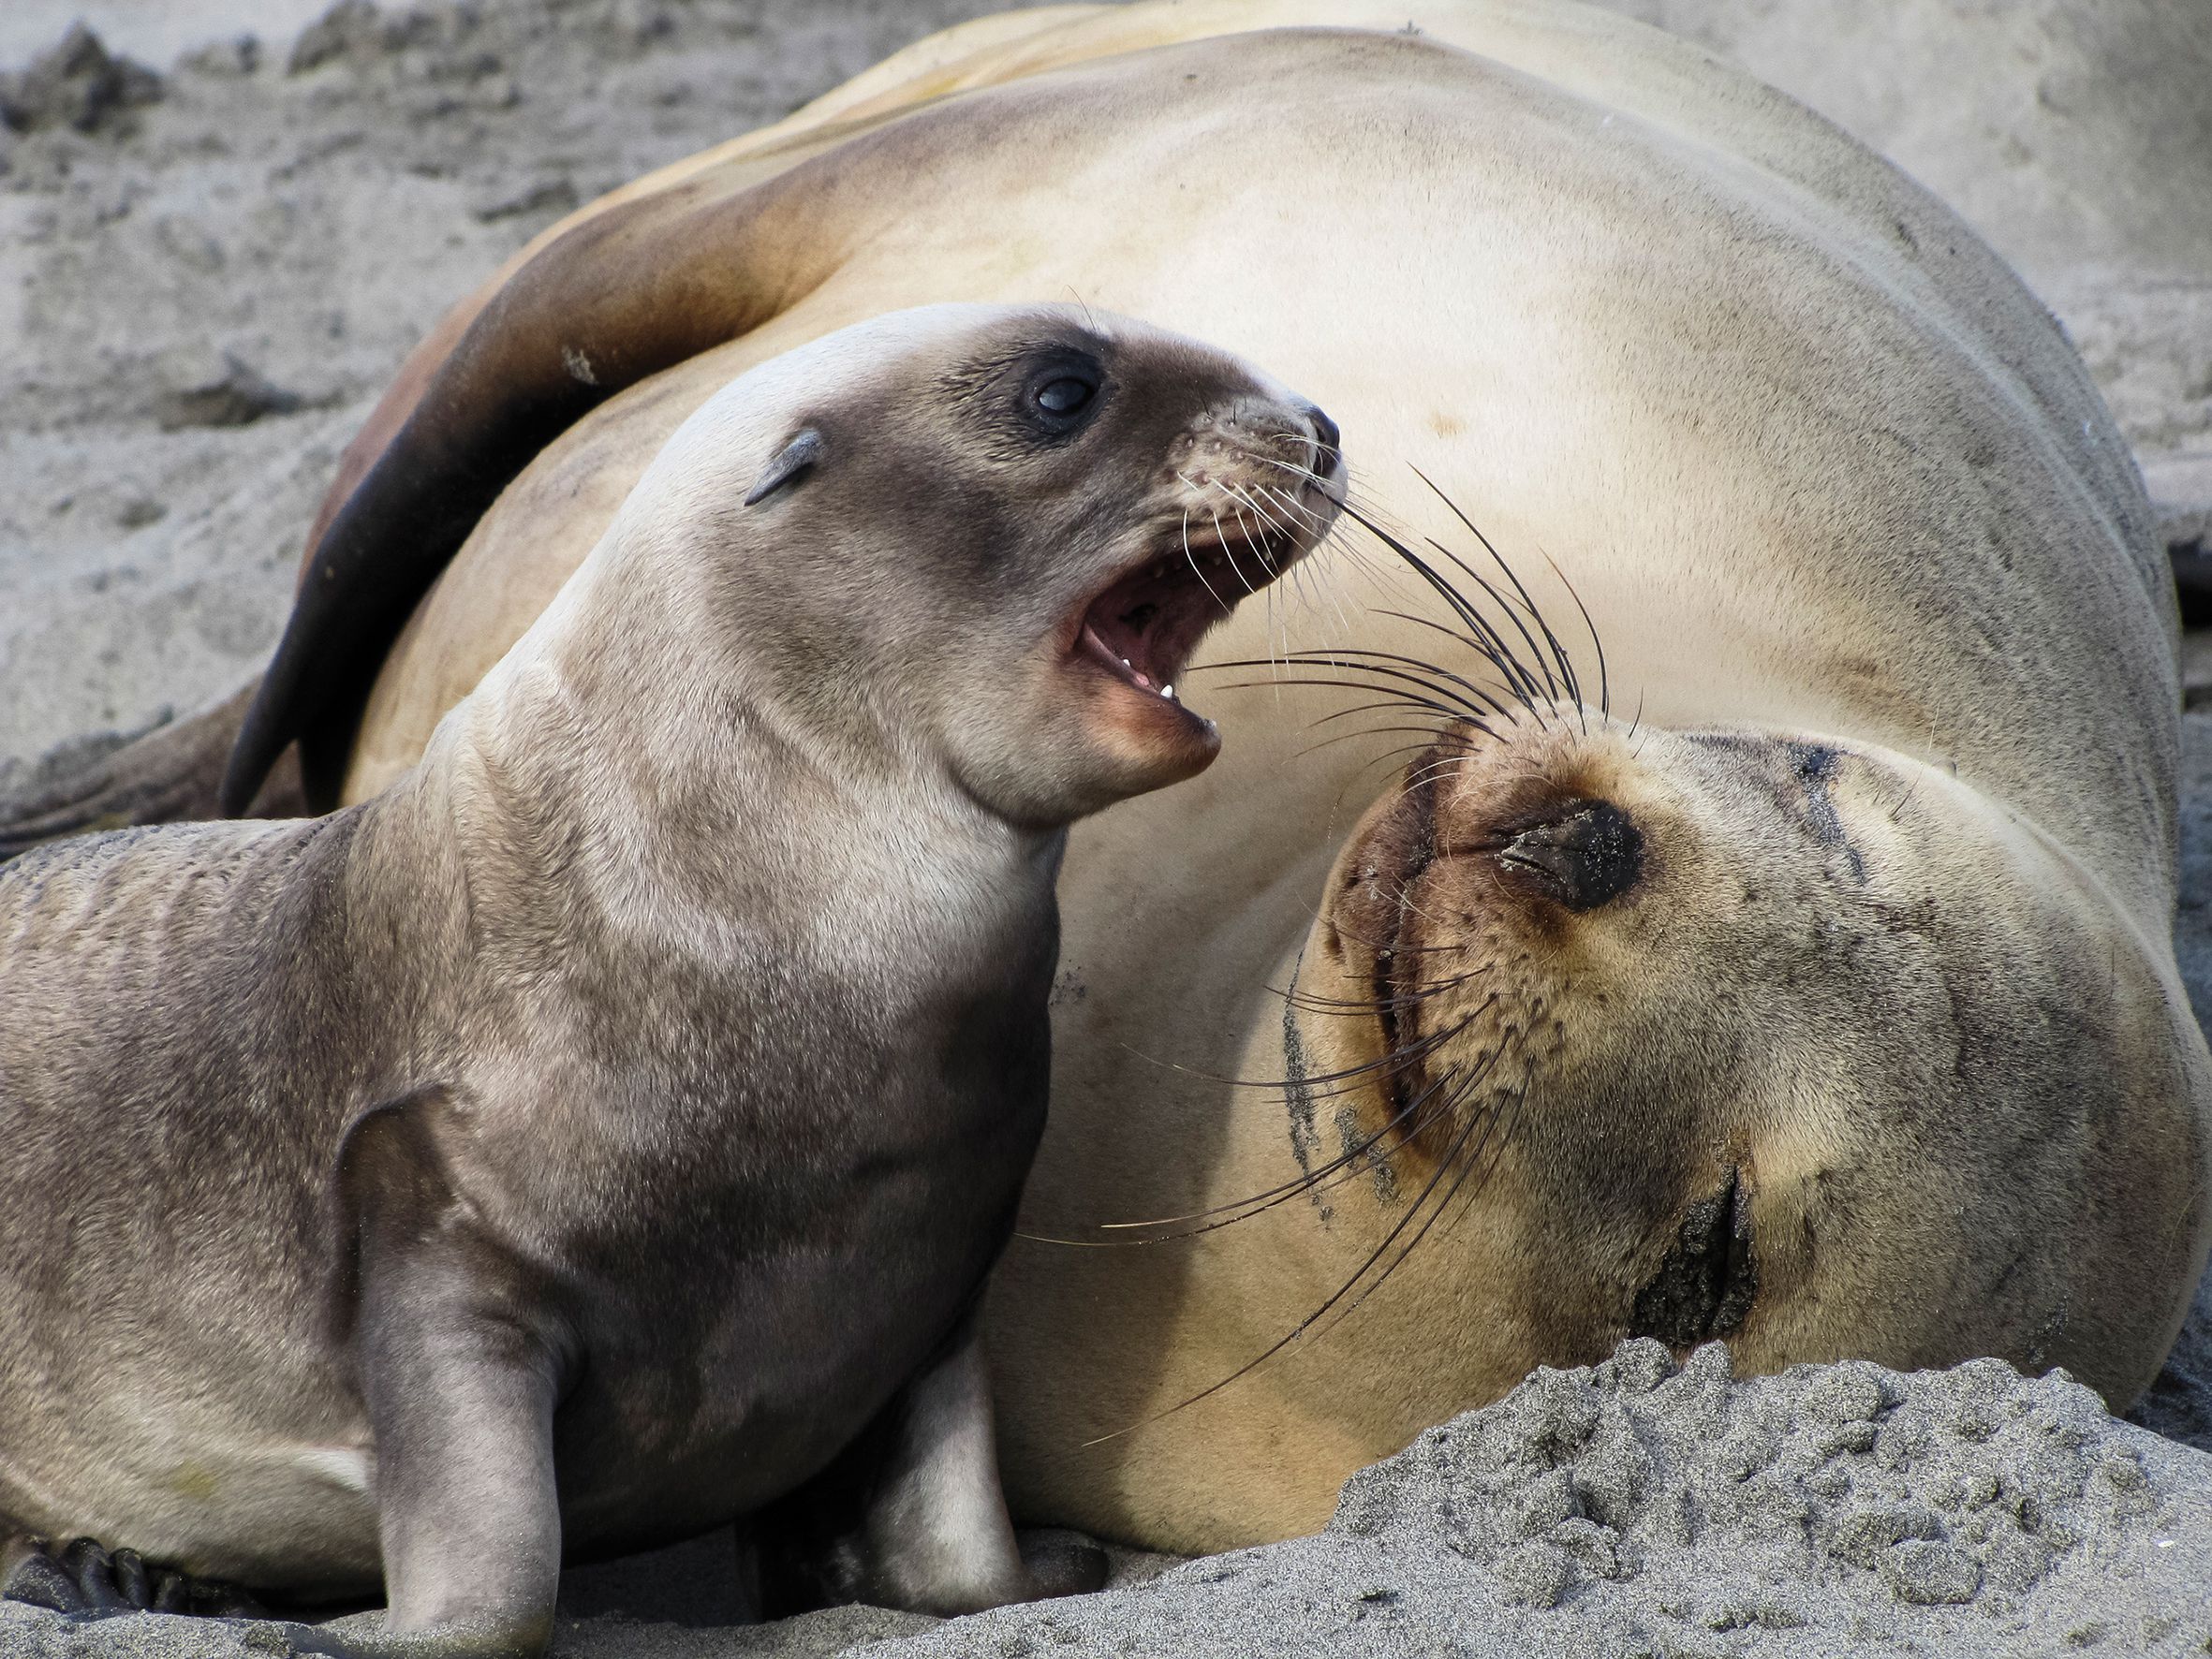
pixel 1756 1035
pixel 996 531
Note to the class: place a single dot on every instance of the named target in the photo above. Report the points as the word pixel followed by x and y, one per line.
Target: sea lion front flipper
pixel 460 1369
pixel 911 1515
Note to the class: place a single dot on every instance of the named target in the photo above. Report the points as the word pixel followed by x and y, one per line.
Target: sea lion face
pixel 1003 532
pixel 1743 1035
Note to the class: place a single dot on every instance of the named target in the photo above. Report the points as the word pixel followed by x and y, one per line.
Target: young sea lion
pixel 638 1090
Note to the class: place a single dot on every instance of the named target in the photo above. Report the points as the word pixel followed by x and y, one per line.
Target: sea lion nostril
pixel 1581 855
pixel 1325 434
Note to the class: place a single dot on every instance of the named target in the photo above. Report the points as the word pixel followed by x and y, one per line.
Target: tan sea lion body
pixel 1907 1072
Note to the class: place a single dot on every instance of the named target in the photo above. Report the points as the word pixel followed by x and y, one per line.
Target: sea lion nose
pixel 1584 856
pixel 1325 436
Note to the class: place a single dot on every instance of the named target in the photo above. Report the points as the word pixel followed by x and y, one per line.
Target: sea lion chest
pixel 759 1176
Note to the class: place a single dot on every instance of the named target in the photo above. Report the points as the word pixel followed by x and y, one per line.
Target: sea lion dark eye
pixel 1065 395
pixel 1059 394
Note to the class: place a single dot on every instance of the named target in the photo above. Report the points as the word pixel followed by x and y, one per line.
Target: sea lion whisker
pixel 1598 645
pixel 1434 733
pixel 1534 610
pixel 1307 1323
pixel 1512 1121
pixel 1442 766
pixel 1385 757
pixel 1402 669
pixel 1488 1119
pixel 1246 494
pixel 1289 502
pixel 1305 473
pixel 1425 732
pixel 1451 634
pixel 1513 614
pixel 1192 557
pixel 1349 491
pixel 1435 1103
pixel 1325 1178
pixel 1521 678
pixel 1476 707
pixel 1398 697
pixel 1423 991
pixel 1414 1051
pixel 1243 525
pixel 1331 540
pixel 1221 536
pixel 1426 672
pixel 1476 710
pixel 1352 558
pixel 1460 604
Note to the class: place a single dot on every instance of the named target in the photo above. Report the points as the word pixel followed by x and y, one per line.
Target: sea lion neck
pixel 558 820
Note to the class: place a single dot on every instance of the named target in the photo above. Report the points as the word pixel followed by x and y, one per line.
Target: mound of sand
pixel 1634 1509
pixel 1628 1508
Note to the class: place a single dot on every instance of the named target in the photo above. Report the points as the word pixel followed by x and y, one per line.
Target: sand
pixel 1628 1508
pixel 212 258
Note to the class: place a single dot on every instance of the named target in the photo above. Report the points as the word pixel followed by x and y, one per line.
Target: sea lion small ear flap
pixel 794 458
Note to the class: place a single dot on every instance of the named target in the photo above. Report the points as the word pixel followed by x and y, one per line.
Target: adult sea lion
pixel 641 1088
pixel 1819 996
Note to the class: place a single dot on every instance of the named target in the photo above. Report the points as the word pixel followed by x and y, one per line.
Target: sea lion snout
pixel 1208 482
pixel 1527 822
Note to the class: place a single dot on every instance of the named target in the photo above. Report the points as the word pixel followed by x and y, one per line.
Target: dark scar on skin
pixel 1816 768
pixel 1297 1097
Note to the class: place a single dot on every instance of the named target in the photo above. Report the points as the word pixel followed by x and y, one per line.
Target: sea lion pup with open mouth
pixel 639 1091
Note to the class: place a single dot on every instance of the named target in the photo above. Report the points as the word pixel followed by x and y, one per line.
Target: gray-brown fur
pixel 642 1086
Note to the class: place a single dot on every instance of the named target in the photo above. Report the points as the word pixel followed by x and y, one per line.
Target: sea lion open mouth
pixel 1144 628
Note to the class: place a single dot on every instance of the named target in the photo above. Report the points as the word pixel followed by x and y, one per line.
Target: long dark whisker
pixel 1483 637
pixel 1559 652
pixel 1421 992
pixel 1397 697
pixel 1424 1109
pixel 1349 660
pixel 1423 673
pixel 1419 1049
pixel 1342 1290
pixel 1489 1120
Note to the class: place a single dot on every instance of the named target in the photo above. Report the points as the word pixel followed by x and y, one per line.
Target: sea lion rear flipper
pixel 165 776
pixel 86 1581
pixel 622 294
pixel 912 1514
